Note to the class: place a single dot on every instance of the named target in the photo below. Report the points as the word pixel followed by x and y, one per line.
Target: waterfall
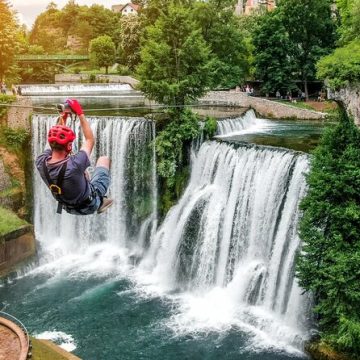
pixel 225 251
pixel 235 229
pixel 72 89
pixel 133 187
pixel 246 122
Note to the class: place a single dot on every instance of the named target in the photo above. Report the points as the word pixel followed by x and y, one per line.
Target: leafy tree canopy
pixel 102 51
pixel 176 63
pixel 53 27
pixel 9 40
pixel 308 33
pixel 343 65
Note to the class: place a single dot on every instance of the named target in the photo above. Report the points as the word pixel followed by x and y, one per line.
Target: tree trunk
pixel 106 70
pixel 306 90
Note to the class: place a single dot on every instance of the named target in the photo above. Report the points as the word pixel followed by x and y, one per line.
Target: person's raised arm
pixel 85 126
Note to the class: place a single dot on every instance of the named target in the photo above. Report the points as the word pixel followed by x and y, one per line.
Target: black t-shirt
pixel 75 187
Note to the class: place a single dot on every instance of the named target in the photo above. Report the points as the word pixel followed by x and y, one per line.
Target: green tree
pixel 8 38
pixel 273 65
pixel 221 31
pixel 304 32
pixel 312 32
pixel 129 47
pixel 176 63
pixel 342 67
pixel 102 51
pixel 350 20
pixel 329 264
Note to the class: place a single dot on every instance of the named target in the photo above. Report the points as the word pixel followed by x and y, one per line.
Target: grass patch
pixel 9 221
pixel 300 105
pixel 42 352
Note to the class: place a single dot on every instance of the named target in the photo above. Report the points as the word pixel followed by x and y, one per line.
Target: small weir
pixel 71 89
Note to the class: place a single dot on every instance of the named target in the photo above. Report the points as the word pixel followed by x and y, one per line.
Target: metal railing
pixel 50 57
pixel 18 323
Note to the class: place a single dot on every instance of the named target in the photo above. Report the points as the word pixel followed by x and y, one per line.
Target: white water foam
pixel 64 340
pixel 245 124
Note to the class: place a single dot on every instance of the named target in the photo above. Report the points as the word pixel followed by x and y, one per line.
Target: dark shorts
pixel 99 183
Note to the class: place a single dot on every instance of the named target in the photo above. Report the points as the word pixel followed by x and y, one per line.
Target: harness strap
pixel 56 188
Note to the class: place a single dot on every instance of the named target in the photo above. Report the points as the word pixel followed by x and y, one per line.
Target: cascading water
pixel 234 233
pixel 70 89
pixel 247 122
pixel 133 186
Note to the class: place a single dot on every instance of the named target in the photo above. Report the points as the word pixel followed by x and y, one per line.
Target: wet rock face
pixel 350 96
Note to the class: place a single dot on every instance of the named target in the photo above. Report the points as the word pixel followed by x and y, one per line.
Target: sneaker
pixel 105 205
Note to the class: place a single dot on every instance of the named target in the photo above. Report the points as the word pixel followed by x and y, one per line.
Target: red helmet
pixel 61 135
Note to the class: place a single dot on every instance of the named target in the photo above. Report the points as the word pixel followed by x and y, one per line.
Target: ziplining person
pixel 65 173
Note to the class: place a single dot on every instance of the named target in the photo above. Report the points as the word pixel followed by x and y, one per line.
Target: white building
pixel 126 9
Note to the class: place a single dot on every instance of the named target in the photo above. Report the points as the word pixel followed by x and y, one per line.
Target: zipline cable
pixel 109 109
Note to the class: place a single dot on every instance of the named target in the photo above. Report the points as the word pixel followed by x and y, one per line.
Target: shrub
pixel 210 127
pixel 13 139
pixel 123 70
pixel 92 78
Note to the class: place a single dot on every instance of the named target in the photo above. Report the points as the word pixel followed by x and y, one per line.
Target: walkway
pixel 265 108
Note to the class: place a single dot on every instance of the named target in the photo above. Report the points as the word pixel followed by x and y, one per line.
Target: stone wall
pixel 111 79
pixel 19 115
pixel 5 181
pixel 16 247
pixel 265 108
pixel 350 96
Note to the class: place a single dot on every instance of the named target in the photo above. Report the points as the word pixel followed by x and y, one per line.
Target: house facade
pixel 248 6
pixel 126 9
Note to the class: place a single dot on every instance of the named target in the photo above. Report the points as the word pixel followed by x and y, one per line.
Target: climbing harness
pixel 57 191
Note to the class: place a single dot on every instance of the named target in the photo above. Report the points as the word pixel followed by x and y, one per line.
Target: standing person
pixel 13 89
pixel 3 88
pixel 65 174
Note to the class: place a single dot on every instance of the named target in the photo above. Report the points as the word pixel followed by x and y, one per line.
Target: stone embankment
pixel 19 115
pixel 110 79
pixel 350 96
pixel 265 108
pixel 15 247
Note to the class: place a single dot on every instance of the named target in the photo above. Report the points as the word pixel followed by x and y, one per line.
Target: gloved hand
pixel 75 106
